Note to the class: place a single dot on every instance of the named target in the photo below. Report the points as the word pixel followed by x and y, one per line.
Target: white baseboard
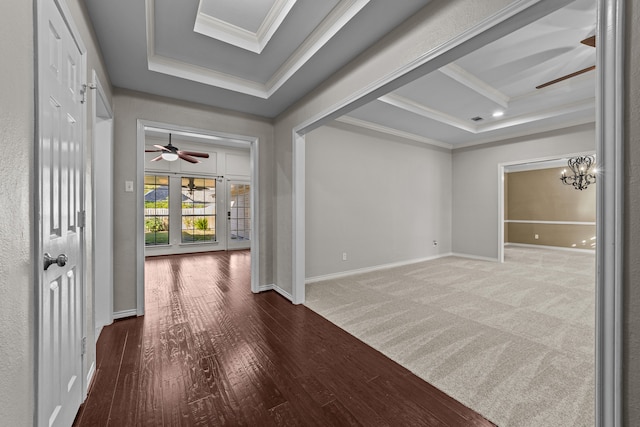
pixel 476 257
pixel 348 273
pixel 92 371
pixel 555 248
pixel 276 288
pixel 282 292
pixel 124 313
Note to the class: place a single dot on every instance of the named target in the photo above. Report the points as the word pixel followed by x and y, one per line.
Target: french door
pixel 185 213
pixel 238 215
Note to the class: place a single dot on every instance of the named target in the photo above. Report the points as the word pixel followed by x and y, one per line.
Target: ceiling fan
pixel 589 41
pixel 171 152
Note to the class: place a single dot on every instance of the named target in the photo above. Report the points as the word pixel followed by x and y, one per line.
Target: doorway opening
pixel 187 207
pixel 536 210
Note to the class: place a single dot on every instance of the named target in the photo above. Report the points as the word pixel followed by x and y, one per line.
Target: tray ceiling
pixel 260 56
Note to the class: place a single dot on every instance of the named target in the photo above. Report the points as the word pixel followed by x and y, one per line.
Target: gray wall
pixel 439 22
pixel 128 108
pixel 475 213
pixel 17 331
pixel 632 223
pixel 380 200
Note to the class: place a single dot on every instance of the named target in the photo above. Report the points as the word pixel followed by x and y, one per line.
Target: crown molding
pixel 430 113
pixel 394 132
pixel 524 133
pixel 213 27
pixel 572 107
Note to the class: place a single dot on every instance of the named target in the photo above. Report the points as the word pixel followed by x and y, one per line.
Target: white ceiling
pixel 260 56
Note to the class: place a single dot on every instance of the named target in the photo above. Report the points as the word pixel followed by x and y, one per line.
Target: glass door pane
pixel 239 215
pixel 156 210
pixel 198 210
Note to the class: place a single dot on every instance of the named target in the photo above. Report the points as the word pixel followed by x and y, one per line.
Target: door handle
pixel 61 260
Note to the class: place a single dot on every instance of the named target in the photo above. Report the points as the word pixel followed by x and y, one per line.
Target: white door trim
pixel 102 235
pixel 609 129
pixel 241 141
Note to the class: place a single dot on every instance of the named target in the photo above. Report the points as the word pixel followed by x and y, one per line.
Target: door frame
pixel 610 189
pixel 37 198
pixel 102 133
pixel 239 141
pixel 501 173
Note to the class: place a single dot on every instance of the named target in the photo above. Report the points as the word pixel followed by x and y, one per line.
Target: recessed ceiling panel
pixel 246 14
pixel 441 92
pixel 175 38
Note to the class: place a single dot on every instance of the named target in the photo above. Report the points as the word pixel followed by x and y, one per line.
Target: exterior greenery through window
pixel 156 210
pixel 198 209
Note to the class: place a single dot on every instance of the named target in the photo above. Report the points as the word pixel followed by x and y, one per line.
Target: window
pixel 198 210
pixel 156 210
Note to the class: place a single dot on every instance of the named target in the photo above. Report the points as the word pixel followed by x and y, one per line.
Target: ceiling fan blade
pixel 188 158
pixel 156 159
pixel 161 147
pixel 194 154
pixel 589 41
pixel 152 151
pixel 568 76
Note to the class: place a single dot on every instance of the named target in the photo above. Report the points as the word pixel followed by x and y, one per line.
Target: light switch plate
pixel 128 186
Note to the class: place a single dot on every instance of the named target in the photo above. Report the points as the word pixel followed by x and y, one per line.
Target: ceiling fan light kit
pixel 170 157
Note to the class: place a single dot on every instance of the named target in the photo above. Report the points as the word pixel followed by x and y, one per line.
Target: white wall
pixel 380 200
pixel 128 108
pixel 475 183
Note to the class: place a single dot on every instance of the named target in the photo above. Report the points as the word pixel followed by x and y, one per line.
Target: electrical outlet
pixel 435 243
pixel 344 256
pixel 535 236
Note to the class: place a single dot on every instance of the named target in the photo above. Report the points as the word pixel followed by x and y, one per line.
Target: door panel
pixel 60 168
pixel 238 215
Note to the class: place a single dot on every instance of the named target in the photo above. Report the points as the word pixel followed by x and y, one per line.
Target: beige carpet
pixel 514 341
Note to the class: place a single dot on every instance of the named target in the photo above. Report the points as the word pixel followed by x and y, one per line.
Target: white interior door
pixel 238 215
pixel 60 120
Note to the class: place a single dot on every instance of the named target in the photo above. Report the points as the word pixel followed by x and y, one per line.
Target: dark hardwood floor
pixel 208 352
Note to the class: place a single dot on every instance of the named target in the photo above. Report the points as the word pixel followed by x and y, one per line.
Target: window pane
pixel 156 210
pixel 198 209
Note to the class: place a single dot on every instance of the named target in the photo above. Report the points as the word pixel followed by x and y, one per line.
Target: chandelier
pixel 583 170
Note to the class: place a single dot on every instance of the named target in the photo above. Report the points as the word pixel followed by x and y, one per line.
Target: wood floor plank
pixel 123 409
pixel 208 352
